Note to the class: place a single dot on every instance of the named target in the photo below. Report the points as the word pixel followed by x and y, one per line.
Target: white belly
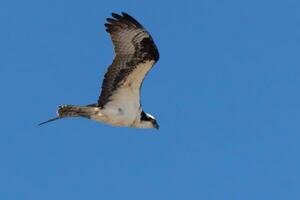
pixel 123 107
pixel 116 117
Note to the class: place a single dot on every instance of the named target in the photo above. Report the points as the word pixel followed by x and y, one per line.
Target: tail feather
pixel 70 111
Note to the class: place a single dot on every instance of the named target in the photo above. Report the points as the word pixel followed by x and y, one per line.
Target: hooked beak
pixel 156 126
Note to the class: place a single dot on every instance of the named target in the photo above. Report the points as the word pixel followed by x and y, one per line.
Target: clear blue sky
pixel 225 93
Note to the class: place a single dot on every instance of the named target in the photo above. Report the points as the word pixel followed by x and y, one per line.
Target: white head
pixel 146 121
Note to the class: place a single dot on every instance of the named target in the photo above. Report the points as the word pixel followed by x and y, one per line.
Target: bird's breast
pixel 116 117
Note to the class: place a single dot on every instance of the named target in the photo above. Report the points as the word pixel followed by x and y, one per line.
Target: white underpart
pixel 124 107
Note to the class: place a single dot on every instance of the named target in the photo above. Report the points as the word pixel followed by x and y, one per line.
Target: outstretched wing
pixel 135 54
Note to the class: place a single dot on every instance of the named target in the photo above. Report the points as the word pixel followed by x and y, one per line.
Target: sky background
pixel 225 93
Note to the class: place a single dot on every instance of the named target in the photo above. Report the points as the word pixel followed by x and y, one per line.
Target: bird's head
pixel 147 121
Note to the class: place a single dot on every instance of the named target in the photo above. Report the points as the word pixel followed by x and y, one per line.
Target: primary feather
pixel 119 101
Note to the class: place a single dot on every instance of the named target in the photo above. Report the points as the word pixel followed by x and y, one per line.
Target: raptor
pixel 119 102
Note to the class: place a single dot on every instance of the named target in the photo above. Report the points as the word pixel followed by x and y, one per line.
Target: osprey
pixel 119 101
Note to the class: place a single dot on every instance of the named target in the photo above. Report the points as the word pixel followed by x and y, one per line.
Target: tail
pixel 70 111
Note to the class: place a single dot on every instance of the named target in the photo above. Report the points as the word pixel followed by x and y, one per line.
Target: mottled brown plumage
pixel 133 45
pixel 119 101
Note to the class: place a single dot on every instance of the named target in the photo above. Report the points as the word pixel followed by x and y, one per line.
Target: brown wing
pixel 133 46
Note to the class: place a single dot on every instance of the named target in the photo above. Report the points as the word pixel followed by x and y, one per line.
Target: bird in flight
pixel 119 103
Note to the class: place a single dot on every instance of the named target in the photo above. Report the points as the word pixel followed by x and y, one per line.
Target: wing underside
pixel 135 54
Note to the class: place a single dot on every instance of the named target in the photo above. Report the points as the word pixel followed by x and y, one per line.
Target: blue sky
pixel 225 93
